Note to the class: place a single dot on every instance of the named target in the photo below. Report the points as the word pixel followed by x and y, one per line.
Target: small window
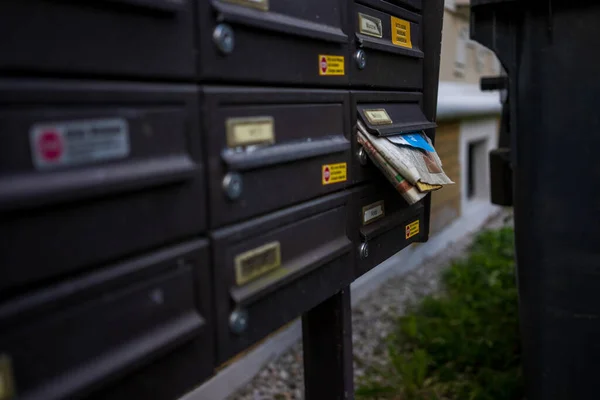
pixel 476 169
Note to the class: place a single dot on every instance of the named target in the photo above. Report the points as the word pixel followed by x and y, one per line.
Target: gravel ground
pixel 372 321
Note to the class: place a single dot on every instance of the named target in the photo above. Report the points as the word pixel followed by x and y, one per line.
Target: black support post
pixel 327 338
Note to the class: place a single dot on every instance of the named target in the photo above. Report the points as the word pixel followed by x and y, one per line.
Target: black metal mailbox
pixel 138 329
pixel 94 171
pixel 382 224
pixel 271 148
pixel 274 41
pixel 383 114
pixel 269 270
pixel 387 45
pixel 127 38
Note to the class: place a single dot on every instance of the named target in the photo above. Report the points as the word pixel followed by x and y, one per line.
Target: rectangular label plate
pixel 258 4
pixel 373 212
pixel 334 173
pixel 331 65
pixel 412 229
pixel 70 143
pixel 250 131
pixel 378 117
pixel 257 262
pixel 369 25
pixel 401 33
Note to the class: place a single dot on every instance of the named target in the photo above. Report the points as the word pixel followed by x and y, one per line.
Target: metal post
pixel 327 338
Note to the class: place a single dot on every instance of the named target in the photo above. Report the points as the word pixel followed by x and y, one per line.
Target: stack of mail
pixel 409 162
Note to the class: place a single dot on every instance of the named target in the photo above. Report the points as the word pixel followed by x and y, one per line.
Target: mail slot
pixel 147 316
pixel 383 224
pixel 271 269
pixel 271 148
pixel 274 41
pixel 383 114
pixel 387 44
pixel 94 171
pixel 132 38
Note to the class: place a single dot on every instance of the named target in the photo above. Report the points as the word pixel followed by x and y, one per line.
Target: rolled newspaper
pixel 408 191
pixel 422 169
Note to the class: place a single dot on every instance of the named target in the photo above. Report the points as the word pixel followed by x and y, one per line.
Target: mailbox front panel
pixel 390 39
pixel 147 316
pixel 94 171
pixel 405 112
pixel 281 146
pixel 383 221
pixel 276 267
pixel 130 38
pixel 274 41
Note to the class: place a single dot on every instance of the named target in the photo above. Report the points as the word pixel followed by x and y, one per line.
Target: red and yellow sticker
pixel 334 173
pixel 331 65
pixel 412 229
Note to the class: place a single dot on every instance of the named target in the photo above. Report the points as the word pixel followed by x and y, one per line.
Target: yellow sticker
pixel 373 212
pixel 334 173
pixel 7 388
pixel 249 131
pixel 378 116
pixel 258 4
pixel 412 229
pixel 331 65
pixel 369 25
pixel 401 33
pixel 257 262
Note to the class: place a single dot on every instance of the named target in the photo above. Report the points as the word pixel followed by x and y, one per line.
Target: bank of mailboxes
pixel 163 206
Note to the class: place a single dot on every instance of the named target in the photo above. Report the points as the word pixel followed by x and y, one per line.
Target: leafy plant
pixel 463 344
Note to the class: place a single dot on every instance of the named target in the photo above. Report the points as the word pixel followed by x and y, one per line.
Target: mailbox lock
pixel 363 158
pixel 233 185
pixel 224 38
pixel 238 321
pixel 364 250
pixel 361 58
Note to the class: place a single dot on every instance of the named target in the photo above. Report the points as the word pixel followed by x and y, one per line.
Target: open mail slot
pixel 388 46
pixel 384 114
pixel 148 316
pixel 275 41
pixel 383 224
pixel 271 148
pixel 98 37
pixel 271 269
pixel 100 171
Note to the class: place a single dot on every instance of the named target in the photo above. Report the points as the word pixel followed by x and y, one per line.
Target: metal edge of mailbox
pixel 141 34
pixel 216 100
pixel 178 333
pixel 284 294
pixel 32 203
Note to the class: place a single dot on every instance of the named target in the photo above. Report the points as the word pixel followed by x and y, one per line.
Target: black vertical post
pixel 327 339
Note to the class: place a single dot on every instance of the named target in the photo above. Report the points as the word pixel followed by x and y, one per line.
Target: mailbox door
pixel 390 37
pixel 274 41
pixel 281 146
pixel 138 329
pixel 405 112
pixel 273 268
pixel 132 38
pixel 92 172
pixel 383 224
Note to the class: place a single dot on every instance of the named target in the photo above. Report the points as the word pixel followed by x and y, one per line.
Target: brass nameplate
pixel 401 33
pixel 250 131
pixel 378 117
pixel 369 25
pixel 257 262
pixel 258 4
pixel 373 212
pixel 7 385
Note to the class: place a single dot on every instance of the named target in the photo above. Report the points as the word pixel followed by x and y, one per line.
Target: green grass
pixel 462 344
